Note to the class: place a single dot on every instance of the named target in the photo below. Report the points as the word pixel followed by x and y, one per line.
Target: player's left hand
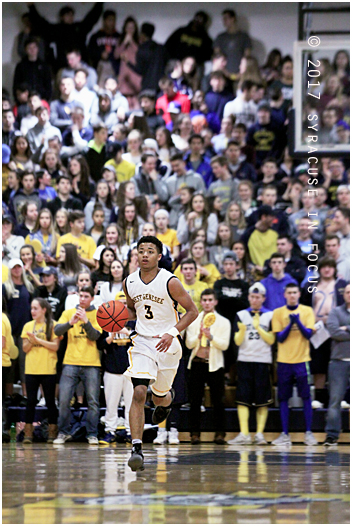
pixel 165 343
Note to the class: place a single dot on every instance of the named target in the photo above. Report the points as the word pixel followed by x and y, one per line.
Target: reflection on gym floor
pixel 77 483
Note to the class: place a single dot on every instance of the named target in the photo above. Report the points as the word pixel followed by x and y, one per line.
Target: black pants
pixel 48 382
pixel 200 375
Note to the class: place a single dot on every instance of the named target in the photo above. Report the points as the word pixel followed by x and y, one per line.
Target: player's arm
pixel 305 331
pixel 267 336
pixel 130 305
pixel 179 294
pixel 240 331
pixel 283 335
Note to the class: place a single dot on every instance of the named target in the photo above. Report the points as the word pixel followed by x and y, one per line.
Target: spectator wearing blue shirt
pixel 276 282
pixel 46 191
pixel 218 96
pixel 197 161
pixel 61 108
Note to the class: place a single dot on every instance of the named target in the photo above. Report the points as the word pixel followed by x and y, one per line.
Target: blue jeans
pixel 338 374
pixel 71 375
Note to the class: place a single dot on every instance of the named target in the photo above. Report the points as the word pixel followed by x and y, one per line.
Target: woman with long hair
pixel 223 244
pixel 44 233
pixel 206 272
pixel 103 272
pixel 245 269
pixel 198 217
pixel 341 66
pixel 249 70
pixel 126 51
pixel 103 197
pixel 18 292
pixel 165 143
pixel 271 69
pixel 69 266
pixel 40 346
pixel 129 223
pixel 51 162
pixel 111 287
pixel 125 194
pixel 182 132
pixel 139 123
pixel 235 219
pixel 61 225
pixel 190 74
pixel 31 266
pixel 132 261
pixel 21 153
pixel 113 238
pixel 82 185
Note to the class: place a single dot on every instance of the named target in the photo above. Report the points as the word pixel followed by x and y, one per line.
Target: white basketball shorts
pixel 158 367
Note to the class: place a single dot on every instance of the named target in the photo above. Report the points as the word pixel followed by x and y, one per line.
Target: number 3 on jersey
pixel 149 314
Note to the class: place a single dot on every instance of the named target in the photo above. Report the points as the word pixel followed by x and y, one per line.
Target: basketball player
pixel 152 295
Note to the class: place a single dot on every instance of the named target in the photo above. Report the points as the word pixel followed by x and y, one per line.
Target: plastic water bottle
pixel 13 432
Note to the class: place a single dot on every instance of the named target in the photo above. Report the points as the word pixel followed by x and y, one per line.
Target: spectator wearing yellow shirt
pixel 261 238
pixel 294 326
pixel 124 170
pixel 193 286
pixel 81 362
pixel 9 351
pixel 40 345
pixel 168 236
pixel 206 272
pixel 85 244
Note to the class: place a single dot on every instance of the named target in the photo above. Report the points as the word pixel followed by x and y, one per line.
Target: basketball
pixel 112 316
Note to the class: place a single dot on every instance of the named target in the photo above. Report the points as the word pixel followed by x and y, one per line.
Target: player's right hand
pixel 241 326
pixel 165 343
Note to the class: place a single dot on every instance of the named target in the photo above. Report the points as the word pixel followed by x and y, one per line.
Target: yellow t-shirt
pixel 39 360
pixel 86 245
pixel 194 291
pixel 5 273
pixel 10 351
pixel 80 350
pixel 295 349
pixel 124 171
pixel 169 238
pixel 261 245
pixel 209 280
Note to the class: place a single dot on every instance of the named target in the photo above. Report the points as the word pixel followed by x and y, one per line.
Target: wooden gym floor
pixel 82 484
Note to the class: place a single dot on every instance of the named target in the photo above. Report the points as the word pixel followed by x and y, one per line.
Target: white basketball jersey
pixel 253 347
pixel 155 308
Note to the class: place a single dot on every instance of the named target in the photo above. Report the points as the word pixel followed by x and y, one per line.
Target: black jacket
pixel 66 36
pixel 232 295
pixel 100 42
pixel 71 204
pixel 184 42
pixel 36 74
pixel 151 60
pixel 56 298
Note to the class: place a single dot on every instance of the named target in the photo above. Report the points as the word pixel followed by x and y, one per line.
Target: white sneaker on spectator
pixel 241 439
pixel 317 405
pixel 93 441
pixel 202 409
pixel 282 440
pixel 259 439
pixel 41 402
pixel 161 437
pixel 309 439
pixel 173 436
pixel 121 423
pixel 62 438
pixel 345 405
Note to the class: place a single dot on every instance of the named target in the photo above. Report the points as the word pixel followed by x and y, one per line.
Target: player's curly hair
pixel 151 239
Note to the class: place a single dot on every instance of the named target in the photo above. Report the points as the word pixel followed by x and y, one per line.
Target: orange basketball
pixel 112 316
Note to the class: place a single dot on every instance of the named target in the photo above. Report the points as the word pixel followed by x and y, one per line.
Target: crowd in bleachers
pixel 117 136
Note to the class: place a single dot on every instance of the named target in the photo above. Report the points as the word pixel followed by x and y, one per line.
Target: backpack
pixel 78 425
